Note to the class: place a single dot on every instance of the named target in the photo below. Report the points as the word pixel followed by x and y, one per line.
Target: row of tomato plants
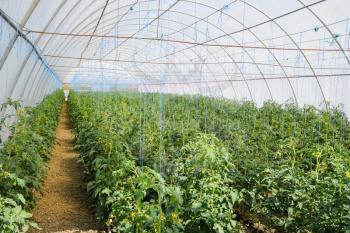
pixel 168 163
pixel 24 157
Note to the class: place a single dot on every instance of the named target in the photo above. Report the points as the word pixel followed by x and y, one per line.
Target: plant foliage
pixel 23 160
pixel 169 163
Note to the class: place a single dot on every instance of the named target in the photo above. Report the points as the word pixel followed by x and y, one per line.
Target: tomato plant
pixel 23 160
pixel 175 163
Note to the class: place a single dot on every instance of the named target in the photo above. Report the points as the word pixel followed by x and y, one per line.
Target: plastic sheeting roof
pixel 244 49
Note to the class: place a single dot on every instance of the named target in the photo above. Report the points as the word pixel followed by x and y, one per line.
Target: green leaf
pixel 21 198
pixel 218 228
pixel 196 205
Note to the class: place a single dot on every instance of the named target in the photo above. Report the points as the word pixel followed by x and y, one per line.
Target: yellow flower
pixel 175 217
pixel 125 221
pixel 109 222
pixel 347 174
pixel 5 174
pixel 133 215
pixel 317 154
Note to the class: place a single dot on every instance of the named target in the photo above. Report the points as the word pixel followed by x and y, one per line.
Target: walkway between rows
pixel 64 205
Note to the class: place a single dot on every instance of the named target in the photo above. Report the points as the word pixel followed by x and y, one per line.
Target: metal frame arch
pixel 264 45
pixel 273 20
pixel 223 49
pixel 306 56
pixel 35 43
pixel 259 40
pixel 84 19
pixel 42 85
pixel 126 71
pixel 34 84
pixel 31 78
pixel 152 66
pixel 65 47
pixel 61 23
pixel 288 35
pixel 13 40
pixel 74 17
pixel 94 12
pixel 296 45
pixel 184 24
pixel 327 28
pixel 27 79
pixel 196 54
pixel 193 52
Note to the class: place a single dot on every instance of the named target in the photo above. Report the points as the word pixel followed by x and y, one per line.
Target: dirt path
pixel 64 206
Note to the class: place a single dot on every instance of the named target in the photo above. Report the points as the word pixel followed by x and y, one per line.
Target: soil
pixel 64 205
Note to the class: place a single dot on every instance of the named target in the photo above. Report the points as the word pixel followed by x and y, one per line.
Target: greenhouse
pixel 171 116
